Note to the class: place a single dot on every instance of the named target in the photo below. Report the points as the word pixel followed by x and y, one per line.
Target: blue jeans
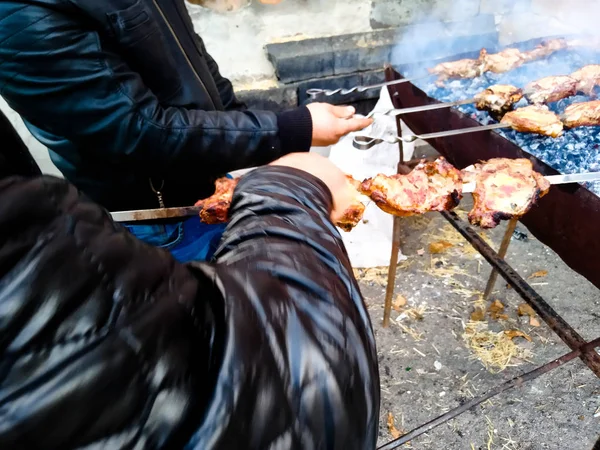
pixel 187 240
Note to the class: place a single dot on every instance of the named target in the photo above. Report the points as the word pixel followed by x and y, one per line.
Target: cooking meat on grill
pixel 504 61
pixel 498 99
pixel 504 189
pixel 431 186
pixel 500 62
pixel 546 48
pixel 550 89
pixel 588 77
pixel 463 68
pixel 582 114
pixel 534 119
pixel 215 209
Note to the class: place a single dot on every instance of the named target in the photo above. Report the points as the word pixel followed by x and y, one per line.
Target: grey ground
pixel 556 411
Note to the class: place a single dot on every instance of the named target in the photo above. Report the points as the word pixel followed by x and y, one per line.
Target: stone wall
pixel 249 29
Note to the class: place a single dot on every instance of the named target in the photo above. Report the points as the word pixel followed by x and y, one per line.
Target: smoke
pixel 442 29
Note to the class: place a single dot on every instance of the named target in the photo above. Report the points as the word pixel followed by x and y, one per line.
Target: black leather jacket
pixel 106 342
pixel 122 91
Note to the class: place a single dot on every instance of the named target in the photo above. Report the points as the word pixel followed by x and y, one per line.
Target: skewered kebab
pixel 505 189
pixel 534 119
pixel 463 68
pixel 503 61
pixel 498 99
pixel 215 209
pixel 582 114
pixel 430 186
pixel 550 89
pixel 588 77
pixel 502 189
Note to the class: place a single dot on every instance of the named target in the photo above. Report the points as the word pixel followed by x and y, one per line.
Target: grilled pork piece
pixel 550 89
pixel 431 186
pixel 546 48
pixel 534 119
pixel 582 114
pixel 588 77
pixel 463 68
pixel 354 213
pixel 504 189
pixel 504 61
pixel 215 209
pixel 498 99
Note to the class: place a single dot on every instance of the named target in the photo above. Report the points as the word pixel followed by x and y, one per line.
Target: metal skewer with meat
pixel 503 61
pixel 502 189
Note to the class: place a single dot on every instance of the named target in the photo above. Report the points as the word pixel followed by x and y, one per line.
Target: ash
pixel 577 150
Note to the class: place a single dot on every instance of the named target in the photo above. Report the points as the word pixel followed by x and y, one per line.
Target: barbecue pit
pixel 565 220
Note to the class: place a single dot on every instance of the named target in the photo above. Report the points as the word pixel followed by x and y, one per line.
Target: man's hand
pixel 330 123
pixel 342 191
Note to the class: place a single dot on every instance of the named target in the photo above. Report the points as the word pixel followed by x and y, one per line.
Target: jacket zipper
pixel 187 58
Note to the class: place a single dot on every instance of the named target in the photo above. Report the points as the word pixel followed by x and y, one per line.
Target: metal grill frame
pixel 407 95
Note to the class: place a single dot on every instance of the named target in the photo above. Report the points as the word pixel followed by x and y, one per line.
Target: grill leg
pixel 391 281
pixel 510 229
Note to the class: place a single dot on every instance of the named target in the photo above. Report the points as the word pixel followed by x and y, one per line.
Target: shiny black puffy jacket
pixel 106 342
pixel 123 92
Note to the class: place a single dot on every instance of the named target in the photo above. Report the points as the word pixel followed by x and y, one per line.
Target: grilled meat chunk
pixel 582 114
pixel 431 186
pixel 504 189
pixel 588 77
pixel 504 61
pixel 463 68
pixel 498 99
pixel 550 89
pixel 546 48
pixel 215 209
pixel 354 213
pixel 534 119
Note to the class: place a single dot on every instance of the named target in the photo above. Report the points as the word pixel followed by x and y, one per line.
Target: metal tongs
pixel 366 142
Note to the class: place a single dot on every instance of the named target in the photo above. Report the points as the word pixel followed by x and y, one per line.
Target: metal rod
pixel 415 109
pixel 315 92
pixel 396 230
pixel 563 330
pixel 515 382
pixel 391 281
pixel 510 229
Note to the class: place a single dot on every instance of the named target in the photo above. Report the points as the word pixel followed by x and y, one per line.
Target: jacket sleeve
pixel 72 87
pixel 228 97
pixel 108 342
pixel 300 356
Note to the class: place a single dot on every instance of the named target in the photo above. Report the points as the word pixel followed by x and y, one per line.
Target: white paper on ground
pixel 370 243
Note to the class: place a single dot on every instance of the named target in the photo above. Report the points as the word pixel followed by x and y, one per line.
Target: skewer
pixel 366 142
pixel 414 109
pixel 315 92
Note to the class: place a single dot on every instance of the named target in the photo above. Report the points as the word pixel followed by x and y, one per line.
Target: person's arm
pixel 74 88
pixel 107 341
pixel 300 357
pixel 228 97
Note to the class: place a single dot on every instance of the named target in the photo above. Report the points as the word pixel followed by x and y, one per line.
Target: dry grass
pixel 377 275
pixel 496 350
